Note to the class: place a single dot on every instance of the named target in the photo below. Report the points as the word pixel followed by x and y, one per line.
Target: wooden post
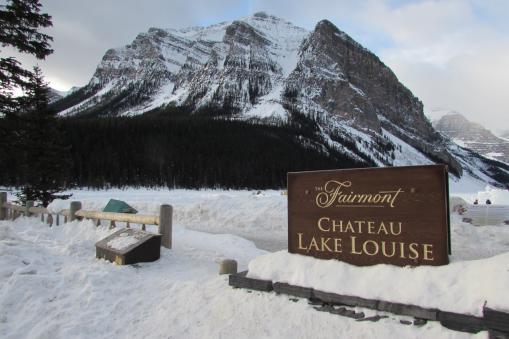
pixel 165 225
pixel 3 210
pixel 228 266
pixel 29 204
pixel 75 207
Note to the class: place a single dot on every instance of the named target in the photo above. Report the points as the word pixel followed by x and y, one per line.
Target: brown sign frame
pixel 368 216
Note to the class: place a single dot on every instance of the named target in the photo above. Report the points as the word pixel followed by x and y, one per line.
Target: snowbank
pixel 471 242
pixel 461 287
pixel 257 215
pixel 50 280
pixel 52 286
pixel 58 205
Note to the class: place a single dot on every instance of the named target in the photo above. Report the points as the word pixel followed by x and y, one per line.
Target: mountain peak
pixel 266 68
pixel 455 114
pixel 455 118
pixel 473 135
pixel 262 15
pixel 327 26
pixel 266 16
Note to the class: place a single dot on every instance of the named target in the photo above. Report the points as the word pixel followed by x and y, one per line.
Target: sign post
pixel 393 215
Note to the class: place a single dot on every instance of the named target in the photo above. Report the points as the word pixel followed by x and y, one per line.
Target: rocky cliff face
pixel 353 83
pixel 474 136
pixel 230 65
pixel 335 76
pixel 264 68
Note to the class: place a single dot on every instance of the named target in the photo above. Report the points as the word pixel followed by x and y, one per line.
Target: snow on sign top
pixel 129 246
pixel 123 240
pixel 370 216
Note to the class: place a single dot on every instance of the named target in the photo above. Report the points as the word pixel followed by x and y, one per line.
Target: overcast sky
pixel 453 55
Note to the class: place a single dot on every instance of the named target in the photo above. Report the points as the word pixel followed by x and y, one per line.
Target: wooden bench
pixel 480 215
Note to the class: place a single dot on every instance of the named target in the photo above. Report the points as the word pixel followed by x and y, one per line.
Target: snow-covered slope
pixel 240 63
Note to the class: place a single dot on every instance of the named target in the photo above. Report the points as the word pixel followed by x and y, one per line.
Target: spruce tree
pixel 20 22
pixel 45 159
pixel 29 134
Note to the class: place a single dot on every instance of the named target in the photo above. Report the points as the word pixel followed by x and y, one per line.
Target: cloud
pixel 416 23
pixel 84 30
pixel 449 55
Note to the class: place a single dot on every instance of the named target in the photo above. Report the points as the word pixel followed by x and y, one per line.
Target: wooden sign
pixel 393 215
pixel 129 246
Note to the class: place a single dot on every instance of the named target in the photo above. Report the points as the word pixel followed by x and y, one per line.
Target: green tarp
pixel 118 206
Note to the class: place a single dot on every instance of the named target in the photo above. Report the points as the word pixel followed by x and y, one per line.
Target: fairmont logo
pixel 340 194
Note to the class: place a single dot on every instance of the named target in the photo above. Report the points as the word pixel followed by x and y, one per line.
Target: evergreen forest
pixel 176 149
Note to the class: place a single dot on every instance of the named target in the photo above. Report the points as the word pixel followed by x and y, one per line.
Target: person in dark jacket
pixel 488 202
pixel 476 202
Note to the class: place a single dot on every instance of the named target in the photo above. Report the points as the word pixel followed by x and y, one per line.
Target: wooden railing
pixel 163 220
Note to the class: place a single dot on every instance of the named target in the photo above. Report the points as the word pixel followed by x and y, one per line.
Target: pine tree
pixel 28 131
pixel 20 21
pixel 45 160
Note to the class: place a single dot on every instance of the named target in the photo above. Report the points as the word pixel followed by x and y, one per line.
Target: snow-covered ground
pixel 51 285
pixel 257 215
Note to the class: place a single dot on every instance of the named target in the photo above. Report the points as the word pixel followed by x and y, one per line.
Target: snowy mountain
pixel 266 69
pixel 474 136
pixel 55 95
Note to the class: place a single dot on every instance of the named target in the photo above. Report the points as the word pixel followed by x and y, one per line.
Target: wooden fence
pixel 163 220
